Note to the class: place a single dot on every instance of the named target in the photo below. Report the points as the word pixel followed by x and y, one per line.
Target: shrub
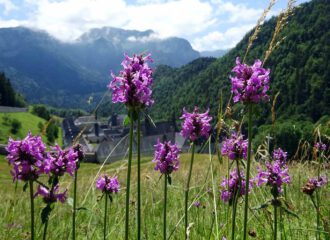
pixel 15 126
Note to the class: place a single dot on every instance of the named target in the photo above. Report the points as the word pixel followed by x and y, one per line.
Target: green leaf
pixel 126 121
pixel 25 186
pixel 262 206
pixel 290 212
pixel 70 201
pixel 110 197
pixel 45 213
pixel 81 208
pixel 169 179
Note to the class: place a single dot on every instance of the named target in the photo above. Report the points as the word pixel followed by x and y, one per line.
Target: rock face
pixel 46 70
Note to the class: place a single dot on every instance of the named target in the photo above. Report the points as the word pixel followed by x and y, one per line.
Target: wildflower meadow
pixel 220 186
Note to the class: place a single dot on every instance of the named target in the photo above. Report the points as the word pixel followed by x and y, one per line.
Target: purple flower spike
pixel 197 204
pixel 280 156
pixel 195 124
pixel 235 147
pixel 166 157
pixel 275 176
pixel 107 184
pixel 251 83
pixel 51 196
pixel 230 187
pixel 319 146
pixel 26 157
pixel 61 161
pixel 133 85
pixel 314 183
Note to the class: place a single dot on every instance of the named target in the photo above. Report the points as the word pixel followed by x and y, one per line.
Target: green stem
pixel 317 206
pixel 32 209
pixel 235 201
pixel 74 208
pixel 246 206
pixel 165 202
pixel 275 222
pixel 139 178
pixel 105 217
pixel 187 190
pixel 45 230
pixel 128 183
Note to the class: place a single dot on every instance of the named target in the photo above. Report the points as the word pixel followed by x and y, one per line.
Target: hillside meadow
pixel 29 122
pixel 207 174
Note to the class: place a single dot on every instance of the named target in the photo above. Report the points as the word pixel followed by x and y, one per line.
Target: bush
pixel 15 126
pixel 52 132
pixel 41 111
pixel 287 135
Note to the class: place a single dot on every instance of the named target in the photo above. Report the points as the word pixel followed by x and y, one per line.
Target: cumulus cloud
pixel 221 40
pixel 208 25
pixel 7 5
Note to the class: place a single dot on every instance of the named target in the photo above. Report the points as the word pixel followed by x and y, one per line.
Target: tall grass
pixel 15 205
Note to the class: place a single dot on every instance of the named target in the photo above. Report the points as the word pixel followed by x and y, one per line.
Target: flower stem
pixel 139 178
pixel 105 217
pixel 235 201
pixel 45 230
pixel 165 202
pixel 32 209
pixel 275 222
pixel 246 206
pixel 187 190
pixel 128 184
pixel 74 208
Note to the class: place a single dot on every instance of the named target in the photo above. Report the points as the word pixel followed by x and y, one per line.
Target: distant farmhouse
pixel 108 140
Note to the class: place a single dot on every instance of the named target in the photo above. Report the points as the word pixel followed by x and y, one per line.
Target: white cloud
pixel 208 25
pixel 221 40
pixel 8 6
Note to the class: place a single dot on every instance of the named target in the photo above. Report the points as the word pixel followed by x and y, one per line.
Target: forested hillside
pixel 300 70
pixel 8 96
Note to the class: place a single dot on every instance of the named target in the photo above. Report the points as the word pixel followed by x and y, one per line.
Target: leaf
pixel 290 212
pixel 110 197
pixel 70 201
pixel 45 213
pixel 169 179
pixel 126 121
pixel 81 208
pixel 25 186
pixel 262 206
pixel 150 119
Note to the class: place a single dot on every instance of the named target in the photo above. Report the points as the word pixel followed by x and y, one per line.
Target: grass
pixel 14 210
pixel 29 123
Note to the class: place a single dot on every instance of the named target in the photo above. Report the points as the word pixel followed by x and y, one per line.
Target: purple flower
pixel 280 155
pixel 26 157
pixel 51 196
pixel 319 146
pixel 61 161
pixel 251 83
pixel 195 125
pixel 235 147
pixel 133 85
pixel 197 204
pixel 107 184
pixel 235 184
pixel 314 183
pixel 275 176
pixel 166 157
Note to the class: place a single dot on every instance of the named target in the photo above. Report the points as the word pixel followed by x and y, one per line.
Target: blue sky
pixel 207 24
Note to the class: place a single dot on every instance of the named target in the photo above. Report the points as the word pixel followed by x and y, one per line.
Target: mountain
pixel 46 70
pixel 215 53
pixel 300 71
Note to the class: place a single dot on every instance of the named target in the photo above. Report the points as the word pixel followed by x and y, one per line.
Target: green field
pixel 14 209
pixel 29 123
